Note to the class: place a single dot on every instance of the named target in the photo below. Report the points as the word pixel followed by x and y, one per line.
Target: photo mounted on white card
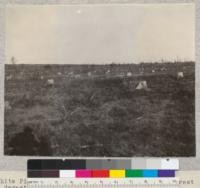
pixel 100 80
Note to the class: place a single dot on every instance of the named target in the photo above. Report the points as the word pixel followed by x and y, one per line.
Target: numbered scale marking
pixel 105 183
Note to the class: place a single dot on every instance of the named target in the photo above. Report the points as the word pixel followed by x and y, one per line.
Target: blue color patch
pixel 150 173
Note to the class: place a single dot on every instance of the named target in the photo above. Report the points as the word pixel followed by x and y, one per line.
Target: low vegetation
pixel 100 114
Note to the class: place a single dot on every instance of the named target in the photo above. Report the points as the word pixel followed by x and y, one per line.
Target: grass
pixel 102 115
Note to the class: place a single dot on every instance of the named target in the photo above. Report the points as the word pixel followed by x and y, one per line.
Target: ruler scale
pixel 99 183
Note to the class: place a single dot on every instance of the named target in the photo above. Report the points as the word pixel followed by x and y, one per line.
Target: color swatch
pixel 101 173
pixel 117 173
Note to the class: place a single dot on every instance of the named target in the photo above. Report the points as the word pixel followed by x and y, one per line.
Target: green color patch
pixel 134 173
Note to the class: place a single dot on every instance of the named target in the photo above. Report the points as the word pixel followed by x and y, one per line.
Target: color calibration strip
pixel 115 164
pixel 101 173
pixel 106 168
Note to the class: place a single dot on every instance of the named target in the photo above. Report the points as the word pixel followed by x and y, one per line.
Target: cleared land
pixel 95 110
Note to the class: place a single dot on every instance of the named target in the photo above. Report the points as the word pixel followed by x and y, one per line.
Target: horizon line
pixel 113 63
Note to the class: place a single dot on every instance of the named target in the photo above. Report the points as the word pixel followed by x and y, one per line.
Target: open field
pixel 95 110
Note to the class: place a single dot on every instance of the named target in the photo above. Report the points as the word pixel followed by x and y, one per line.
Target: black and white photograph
pixel 100 80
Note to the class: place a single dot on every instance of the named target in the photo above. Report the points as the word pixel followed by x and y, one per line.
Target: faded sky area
pixel 95 34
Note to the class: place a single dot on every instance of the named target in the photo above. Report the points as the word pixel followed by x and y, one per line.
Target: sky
pixel 99 34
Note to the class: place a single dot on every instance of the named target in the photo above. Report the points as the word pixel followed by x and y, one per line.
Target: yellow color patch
pixel 117 173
